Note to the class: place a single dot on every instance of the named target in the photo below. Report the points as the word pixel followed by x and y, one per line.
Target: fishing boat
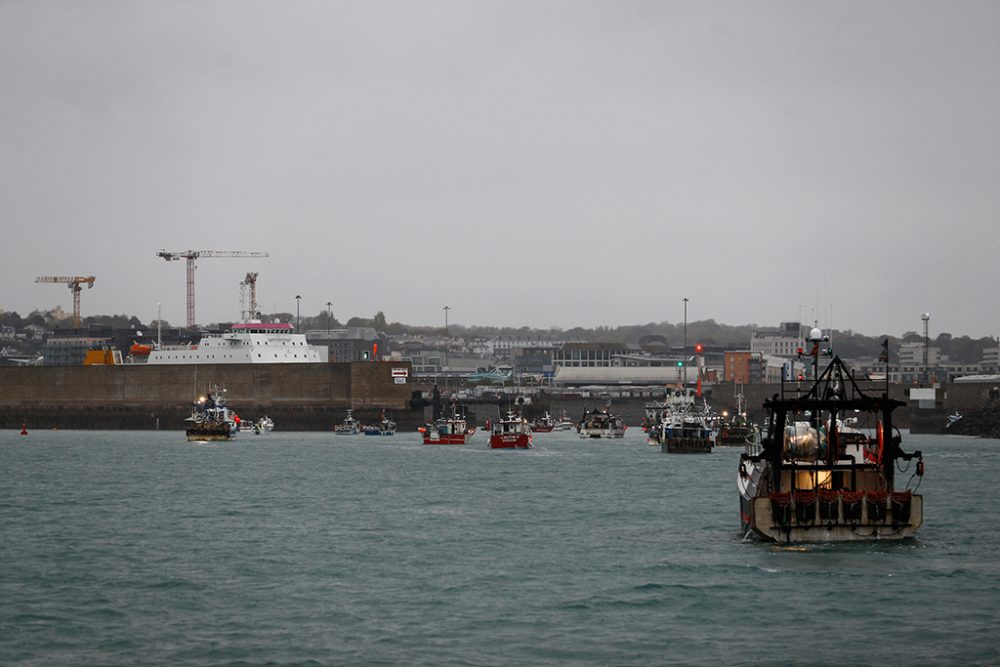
pixel 448 430
pixel 262 425
pixel 211 419
pixel 543 424
pixel 737 430
pixel 349 426
pixel 510 432
pixel 564 423
pixel 809 482
pixel 601 424
pixel 687 432
pixel 657 413
pixel 385 427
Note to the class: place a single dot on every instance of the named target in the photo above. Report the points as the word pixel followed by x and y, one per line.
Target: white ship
pixel 245 343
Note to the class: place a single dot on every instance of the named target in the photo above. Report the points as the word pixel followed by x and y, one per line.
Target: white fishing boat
pixel 564 423
pixel 350 425
pixel 601 424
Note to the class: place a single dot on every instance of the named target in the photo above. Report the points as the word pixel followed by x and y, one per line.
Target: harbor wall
pixel 316 396
pixel 295 396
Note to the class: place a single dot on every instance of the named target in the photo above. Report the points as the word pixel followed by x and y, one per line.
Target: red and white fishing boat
pixel 543 424
pixel 452 430
pixel 510 432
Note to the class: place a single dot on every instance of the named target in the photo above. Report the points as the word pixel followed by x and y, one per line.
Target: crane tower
pixel 249 282
pixel 74 283
pixel 191 256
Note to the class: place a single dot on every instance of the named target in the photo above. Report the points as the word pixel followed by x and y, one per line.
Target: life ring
pixel 874 455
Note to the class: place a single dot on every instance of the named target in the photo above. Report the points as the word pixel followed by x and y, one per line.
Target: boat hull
pixel 797 522
pixel 209 432
pixel 449 439
pixel 610 434
pixel 510 441
pixel 542 429
pixel 686 446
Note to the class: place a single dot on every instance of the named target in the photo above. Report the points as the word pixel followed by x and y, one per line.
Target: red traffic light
pixel 698 348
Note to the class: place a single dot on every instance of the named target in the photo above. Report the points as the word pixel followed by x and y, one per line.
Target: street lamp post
pixel 685 353
pixel 926 317
pixel 447 335
pixel 298 316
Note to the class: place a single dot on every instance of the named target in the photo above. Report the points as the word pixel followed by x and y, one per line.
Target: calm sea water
pixel 309 548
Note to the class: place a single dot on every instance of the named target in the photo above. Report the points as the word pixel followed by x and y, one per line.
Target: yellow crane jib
pixel 73 282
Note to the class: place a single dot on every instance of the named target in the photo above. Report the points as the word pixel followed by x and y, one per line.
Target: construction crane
pixel 191 256
pixel 74 283
pixel 251 282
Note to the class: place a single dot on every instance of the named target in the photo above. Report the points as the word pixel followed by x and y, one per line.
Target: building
pixel 784 341
pixel 350 344
pixel 70 350
pixel 743 367
pixel 589 355
pixel 534 361
pixel 911 354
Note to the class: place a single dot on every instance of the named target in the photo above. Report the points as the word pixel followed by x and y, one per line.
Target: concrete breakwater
pixel 307 397
pixel 314 397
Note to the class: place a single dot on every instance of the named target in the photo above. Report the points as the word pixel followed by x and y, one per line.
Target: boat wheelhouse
pixel 809 481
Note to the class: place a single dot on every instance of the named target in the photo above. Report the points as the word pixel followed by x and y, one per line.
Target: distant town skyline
pixel 549 164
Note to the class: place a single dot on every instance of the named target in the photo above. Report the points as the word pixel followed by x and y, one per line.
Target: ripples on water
pixel 306 548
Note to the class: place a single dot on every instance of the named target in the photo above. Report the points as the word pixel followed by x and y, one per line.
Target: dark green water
pixel 308 548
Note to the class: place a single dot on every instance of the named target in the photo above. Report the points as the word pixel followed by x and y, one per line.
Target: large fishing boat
pixel 601 424
pixel 448 430
pixel 656 412
pixel 244 343
pixel 211 419
pixel 810 482
pixel 511 431
pixel 686 432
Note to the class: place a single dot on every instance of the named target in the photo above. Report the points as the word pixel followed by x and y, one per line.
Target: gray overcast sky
pixel 527 163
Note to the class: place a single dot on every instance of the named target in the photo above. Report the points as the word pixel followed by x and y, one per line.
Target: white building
pixel 784 341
